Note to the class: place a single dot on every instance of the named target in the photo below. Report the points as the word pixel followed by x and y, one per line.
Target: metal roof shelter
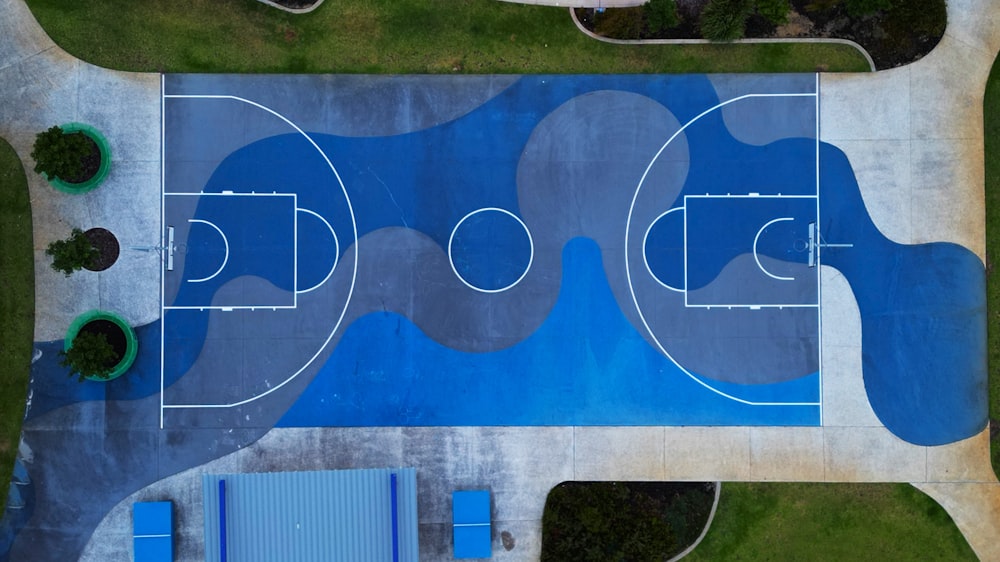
pixel 319 516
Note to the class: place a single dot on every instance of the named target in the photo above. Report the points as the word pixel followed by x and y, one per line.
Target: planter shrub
pixel 73 253
pixel 85 350
pixel 59 155
pixel 91 355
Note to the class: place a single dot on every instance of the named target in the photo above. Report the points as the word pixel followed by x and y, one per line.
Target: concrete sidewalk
pixel 913 135
pixel 42 86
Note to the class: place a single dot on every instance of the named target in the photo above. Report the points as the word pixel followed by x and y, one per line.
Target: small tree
pixel 90 356
pixel 725 20
pixel 73 253
pixel 60 155
pixel 661 14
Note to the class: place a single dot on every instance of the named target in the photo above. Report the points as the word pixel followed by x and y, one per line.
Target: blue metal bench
pixel 153 531
pixel 470 510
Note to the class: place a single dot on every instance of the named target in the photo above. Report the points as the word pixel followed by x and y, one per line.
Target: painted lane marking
pixel 225 259
pixel 336 249
pixel 756 257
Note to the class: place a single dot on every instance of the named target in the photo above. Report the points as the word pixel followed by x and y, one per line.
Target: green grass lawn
pixel 991 122
pixel 17 306
pixel 386 36
pixel 829 522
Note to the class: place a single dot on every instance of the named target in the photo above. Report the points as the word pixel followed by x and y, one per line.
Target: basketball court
pixel 438 250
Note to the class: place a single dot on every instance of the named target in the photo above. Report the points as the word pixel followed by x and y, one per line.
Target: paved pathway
pixel 914 136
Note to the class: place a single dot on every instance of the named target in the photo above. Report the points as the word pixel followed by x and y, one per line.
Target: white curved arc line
pixel 225 260
pixel 757 259
pixel 646 261
pixel 531 250
pixel 354 273
pixel 336 246
pixel 628 272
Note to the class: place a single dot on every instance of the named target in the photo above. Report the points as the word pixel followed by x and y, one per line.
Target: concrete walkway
pixel 914 136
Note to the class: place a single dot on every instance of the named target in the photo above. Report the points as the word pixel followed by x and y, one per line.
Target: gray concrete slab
pixel 787 454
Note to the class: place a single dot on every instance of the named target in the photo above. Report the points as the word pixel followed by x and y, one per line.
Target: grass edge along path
pixel 829 522
pixel 388 37
pixel 17 307
pixel 991 134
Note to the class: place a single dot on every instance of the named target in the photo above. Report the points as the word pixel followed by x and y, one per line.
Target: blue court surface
pixel 544 250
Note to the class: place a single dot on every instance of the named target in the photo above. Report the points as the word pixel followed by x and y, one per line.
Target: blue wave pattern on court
pixel 430 180
pixel 923 318
pixel 929 325
pixel 586 365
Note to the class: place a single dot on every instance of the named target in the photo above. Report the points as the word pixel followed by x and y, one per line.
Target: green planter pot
pixel 102 172
pixel 131 343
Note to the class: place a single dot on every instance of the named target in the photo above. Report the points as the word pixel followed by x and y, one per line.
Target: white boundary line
pixel 756 258
pixel 819 262
pixel 336 252
pixel 354 273
pixel 748 196
pixel 163 226
pixel 225 242
pixel 295 251
pixel 628 272
pixel 751 306
pixel 531 250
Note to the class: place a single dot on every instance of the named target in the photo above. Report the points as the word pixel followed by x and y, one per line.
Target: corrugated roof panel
pixel 312 516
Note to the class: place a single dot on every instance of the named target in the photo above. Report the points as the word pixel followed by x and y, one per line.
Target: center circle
pixel 490 250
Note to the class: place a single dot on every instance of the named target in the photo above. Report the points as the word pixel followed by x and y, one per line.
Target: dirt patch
pixel 507 540
pixel 797 26
pixel 107 248
pixel 295 4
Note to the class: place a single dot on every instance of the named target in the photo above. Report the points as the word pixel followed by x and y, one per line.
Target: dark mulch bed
pixel 602 521
pixel 894 37
pixel 295 4
pixel 90 164
pixel 107 247
pixel 111 331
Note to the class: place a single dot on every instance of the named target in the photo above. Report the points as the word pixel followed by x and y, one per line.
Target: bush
pixel 90 356
pixel 857 8
pixel 593 524
pixel 601 521
pixel 73 253
pixel 619 22
pixel 58 155
pixel 725 20
pixel 661 14
pixel 927 18
pixel 774 11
